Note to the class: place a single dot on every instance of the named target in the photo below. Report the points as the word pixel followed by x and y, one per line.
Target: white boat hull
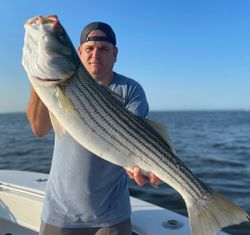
pixel 21 201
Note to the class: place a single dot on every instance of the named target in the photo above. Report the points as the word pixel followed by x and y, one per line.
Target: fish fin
pixel 161 130
pixel 63 101
pixel 116 96
pixel 113 94
pixel 58 128
pixel 220 212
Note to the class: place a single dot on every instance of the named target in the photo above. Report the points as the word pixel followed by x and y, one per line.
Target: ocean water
pixel 215 145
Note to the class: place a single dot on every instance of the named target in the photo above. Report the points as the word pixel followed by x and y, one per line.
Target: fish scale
pixel 113 123
pixel 99 121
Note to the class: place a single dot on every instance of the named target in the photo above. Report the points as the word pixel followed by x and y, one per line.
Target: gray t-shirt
pixel 84 190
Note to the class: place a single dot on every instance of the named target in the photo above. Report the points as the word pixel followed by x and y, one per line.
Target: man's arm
pixel 38 115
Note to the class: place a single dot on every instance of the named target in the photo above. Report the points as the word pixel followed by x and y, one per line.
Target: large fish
pixel 98 120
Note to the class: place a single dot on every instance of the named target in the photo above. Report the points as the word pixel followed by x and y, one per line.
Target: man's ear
pixel 79 50
pixel 115 53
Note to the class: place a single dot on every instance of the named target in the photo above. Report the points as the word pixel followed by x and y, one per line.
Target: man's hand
pixel 137 176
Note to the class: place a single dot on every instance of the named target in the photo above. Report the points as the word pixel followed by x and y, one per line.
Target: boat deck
pixel 21 200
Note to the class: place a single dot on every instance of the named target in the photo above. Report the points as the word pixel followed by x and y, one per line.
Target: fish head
pixel 49 56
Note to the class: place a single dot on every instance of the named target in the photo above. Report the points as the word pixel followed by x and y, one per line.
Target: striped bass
pixel 98 120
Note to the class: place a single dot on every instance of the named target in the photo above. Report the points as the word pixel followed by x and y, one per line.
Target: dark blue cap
pixel 109 33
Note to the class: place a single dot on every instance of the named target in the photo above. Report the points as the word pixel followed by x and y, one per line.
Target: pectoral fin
pixel 63 101
pixel 58 128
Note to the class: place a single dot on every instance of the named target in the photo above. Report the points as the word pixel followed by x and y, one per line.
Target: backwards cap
pixel 109 33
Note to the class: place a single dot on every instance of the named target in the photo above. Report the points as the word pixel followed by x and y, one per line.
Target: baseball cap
pixel 109 33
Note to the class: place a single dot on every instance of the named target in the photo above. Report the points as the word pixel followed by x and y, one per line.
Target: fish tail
pixel 218 213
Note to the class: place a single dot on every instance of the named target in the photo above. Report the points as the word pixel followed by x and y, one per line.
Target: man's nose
pixel 96 53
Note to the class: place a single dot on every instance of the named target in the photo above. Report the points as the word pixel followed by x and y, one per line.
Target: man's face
pixel 98 57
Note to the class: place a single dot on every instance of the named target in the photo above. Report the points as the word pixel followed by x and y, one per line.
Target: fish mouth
pixel 42 20
pixel 49 80
pixel 37 22
pixel 52 81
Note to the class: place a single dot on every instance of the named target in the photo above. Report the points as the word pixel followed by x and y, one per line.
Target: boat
pixel 21 200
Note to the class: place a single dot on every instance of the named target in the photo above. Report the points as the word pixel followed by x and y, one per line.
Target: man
pixel 86 194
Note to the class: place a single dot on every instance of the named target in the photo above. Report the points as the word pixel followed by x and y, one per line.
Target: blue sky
pixel 187 54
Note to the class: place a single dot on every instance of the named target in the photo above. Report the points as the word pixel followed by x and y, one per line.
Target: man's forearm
pixel 38 115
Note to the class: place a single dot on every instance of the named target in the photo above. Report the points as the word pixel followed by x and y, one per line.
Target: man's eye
pixel 88 49
pixel 104 49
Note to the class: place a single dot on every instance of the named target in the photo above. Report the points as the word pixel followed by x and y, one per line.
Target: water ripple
pixel 214 145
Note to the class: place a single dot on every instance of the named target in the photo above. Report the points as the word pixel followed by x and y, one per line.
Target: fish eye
pixel 61 35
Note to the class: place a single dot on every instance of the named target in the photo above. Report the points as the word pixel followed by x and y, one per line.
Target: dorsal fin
pixel 161 130
pixel 113 94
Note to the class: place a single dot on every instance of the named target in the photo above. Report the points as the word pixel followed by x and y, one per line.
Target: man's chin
pixel 96 74
pixel 96 70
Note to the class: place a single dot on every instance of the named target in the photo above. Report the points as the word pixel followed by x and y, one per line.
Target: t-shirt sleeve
pixel 136 101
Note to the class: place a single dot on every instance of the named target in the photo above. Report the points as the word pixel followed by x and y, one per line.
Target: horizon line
pixel 168 110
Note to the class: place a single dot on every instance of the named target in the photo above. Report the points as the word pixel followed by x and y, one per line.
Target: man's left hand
pixel 137 176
